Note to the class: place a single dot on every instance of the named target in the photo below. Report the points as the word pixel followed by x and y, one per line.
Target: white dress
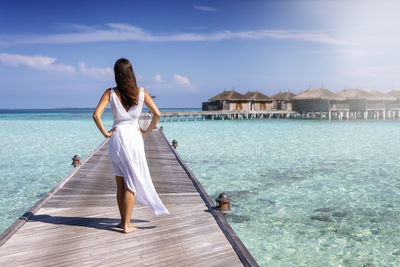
pixel 127 156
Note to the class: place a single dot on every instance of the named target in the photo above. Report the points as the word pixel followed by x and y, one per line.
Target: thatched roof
pixel 395 94
pixel 228 95
pixel 379 96
pixel 355 93
pixel 257 96
pixel 286 96
pixel 318 93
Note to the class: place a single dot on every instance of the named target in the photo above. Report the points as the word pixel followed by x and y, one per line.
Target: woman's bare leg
pixel 120 198
pixel 129 200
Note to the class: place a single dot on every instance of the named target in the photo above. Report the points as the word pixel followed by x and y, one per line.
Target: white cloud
pixel 125 32
pixel 158 78
pixel 48 64
pixel 34 62
pixel 182 80
pixel 95 72
pixel 205 8
pixel 177 83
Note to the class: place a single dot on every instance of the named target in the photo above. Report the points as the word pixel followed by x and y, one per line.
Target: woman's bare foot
pixel 120 225
pixel 129 229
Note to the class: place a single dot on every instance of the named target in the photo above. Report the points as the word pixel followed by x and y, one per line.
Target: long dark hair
pixel 126 82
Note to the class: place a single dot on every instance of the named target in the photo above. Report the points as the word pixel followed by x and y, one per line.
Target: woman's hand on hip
pixel 143 132
pixel 109 133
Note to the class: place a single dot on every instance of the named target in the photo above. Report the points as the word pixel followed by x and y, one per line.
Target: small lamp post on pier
pixel 224 204
pixel 174 143
pixel 76 160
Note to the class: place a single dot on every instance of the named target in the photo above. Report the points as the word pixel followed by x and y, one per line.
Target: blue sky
pixel 61 53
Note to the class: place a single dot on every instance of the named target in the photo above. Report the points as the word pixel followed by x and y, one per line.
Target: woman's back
pixel 120 114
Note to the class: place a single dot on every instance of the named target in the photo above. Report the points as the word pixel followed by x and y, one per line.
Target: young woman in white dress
pixel 125 147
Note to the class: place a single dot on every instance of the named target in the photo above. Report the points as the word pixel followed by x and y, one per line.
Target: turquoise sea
pixel 304 192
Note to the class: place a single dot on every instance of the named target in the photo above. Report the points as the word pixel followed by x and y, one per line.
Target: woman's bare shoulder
pixel 107 93
pixel 145 91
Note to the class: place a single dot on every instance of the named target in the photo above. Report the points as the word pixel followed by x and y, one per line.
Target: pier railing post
pixel 223 204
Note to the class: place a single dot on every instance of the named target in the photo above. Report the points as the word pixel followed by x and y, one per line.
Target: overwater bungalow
pixel 379 100
pixel 283 101
pixel 379 104
pixel 227 100
pixel 368 103
pixel 396 94
pixel 259 101
pixel 320 101
pixel 357 100
pixel 354 103
pixel 395 106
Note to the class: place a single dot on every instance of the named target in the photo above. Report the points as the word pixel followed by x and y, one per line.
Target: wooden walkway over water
pixel 74 224
pixel 332 114
pixel 224 115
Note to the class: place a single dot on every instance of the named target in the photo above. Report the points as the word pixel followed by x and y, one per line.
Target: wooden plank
pixel 87 239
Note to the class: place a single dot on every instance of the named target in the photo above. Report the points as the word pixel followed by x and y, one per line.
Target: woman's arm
pixel 104 100
pixel 154 111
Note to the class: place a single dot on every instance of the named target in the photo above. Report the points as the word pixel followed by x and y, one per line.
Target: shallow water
pixel 36 153
pixel 312 193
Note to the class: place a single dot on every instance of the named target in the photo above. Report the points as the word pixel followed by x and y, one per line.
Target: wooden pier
pixel 334 113
pixel 224 115
pixel 74 224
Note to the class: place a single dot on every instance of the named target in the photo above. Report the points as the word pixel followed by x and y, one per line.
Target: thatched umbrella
pixel 318 93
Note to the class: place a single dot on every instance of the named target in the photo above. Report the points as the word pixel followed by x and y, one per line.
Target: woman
pixel 126 148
